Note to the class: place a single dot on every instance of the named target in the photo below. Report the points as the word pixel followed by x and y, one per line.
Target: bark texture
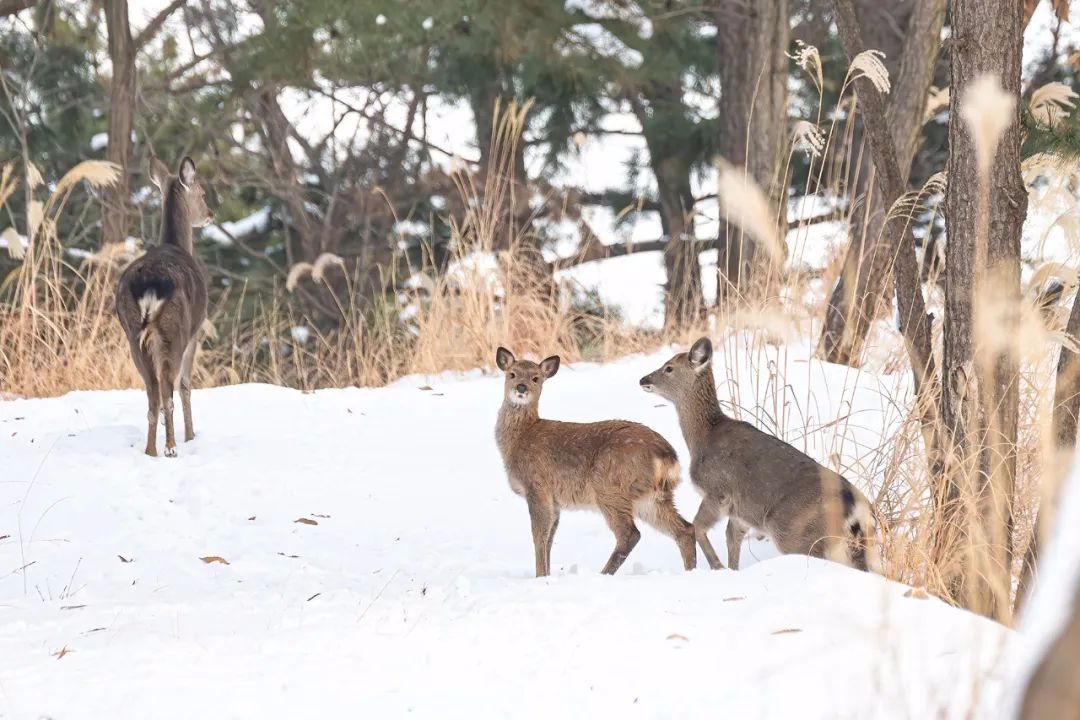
pixel 752 39
pixel 861 285
pixel 914 322
pixel 980 398
pixel 120 118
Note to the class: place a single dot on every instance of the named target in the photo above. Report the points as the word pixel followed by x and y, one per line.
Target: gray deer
pixel 623 469
pixel 161 301
pixel 759 481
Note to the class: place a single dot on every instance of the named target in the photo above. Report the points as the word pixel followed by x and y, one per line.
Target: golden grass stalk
pixel 744 204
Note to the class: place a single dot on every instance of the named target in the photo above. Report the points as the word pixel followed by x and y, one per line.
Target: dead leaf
pixel 733 599
pixel 1074 60
pixel 916 593
pixel 61 652
pixel 319 515
pixel 426 388
pixel 251 518
pixel 288 556
pixel 4 537
pixel 786 631
pixel 314 596
pixel 214 559
pixel 124 559
pixel 306 521
pixel 72 607
pixel 677 636
pixel 94 630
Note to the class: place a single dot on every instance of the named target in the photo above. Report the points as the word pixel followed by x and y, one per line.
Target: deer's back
pixel 176 278
pixel 763 476
pixel 582 460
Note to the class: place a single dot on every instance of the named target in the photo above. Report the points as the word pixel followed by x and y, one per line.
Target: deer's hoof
pixel 170 452
pixel 151 452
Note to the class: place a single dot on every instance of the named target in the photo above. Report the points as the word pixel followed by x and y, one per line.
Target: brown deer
pixel 161 301
pixel 757 480
pixel 623 469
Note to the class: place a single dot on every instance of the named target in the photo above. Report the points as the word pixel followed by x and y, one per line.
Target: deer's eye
pixel 513 375
pixel 669 369
pixel 536 379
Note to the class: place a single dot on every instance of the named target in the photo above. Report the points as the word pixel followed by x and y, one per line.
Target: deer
pixel 623 469
pixel 161 301
pixel 758 481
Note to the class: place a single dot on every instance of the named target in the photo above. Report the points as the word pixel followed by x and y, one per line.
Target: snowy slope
pixel 412 594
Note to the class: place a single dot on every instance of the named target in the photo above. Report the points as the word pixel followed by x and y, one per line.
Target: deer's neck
pixel 699 412
pixel 513 422
pixel 176 222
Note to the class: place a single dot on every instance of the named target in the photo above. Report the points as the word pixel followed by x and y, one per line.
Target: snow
pixel 408 589
pixel 99 141
pixel 223 233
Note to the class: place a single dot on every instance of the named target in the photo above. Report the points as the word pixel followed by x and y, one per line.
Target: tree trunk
pixel 120 118
pixel 684 302
pixel 1054 688
pixel 752 41
pixel 913 320
pixel 980 398
pixel 866 266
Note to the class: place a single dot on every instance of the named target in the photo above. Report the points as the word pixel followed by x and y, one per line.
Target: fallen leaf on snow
pixel 916 593
pixel 426 388
pixel 61 652
pixel 733 599
pixel 72 607
pixel 319 515
pixel 786 631
pixel 306 521
pixel 677 636
pixel 313 597
pixel 288 556
pixel 124 559
pixel 214 559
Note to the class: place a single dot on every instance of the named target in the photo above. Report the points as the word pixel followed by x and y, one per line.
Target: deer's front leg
pixel 542 514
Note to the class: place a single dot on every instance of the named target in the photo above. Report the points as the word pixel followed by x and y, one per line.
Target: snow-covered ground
pixel 374 563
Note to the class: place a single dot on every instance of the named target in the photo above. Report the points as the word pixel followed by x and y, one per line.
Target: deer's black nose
pixel 521 388
pixel 644 381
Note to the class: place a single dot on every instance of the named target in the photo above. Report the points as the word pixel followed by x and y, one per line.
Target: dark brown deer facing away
pixel 759 481
pixel 623 469
pixel 161 301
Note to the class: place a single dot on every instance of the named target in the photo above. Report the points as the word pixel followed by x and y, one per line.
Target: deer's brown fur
pixel 623 469
pixel 161 301
pixel 757 480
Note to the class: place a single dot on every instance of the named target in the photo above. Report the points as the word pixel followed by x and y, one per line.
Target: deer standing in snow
pixel 161 301
pixel 757 480
pixel 623 469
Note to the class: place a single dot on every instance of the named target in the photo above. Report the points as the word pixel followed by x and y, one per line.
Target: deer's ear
pixel 701 354
pixel 159 173
pixel 550 366
pixel 504 359
pixel 187 172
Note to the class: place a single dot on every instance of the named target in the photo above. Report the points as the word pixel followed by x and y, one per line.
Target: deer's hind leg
pixel 167 374
pixel 659 511
pixel 153 396
pixel 620 518
pixel 736 531
pixel 186 364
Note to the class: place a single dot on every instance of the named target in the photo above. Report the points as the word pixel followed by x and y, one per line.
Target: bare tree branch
pixel 154 27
